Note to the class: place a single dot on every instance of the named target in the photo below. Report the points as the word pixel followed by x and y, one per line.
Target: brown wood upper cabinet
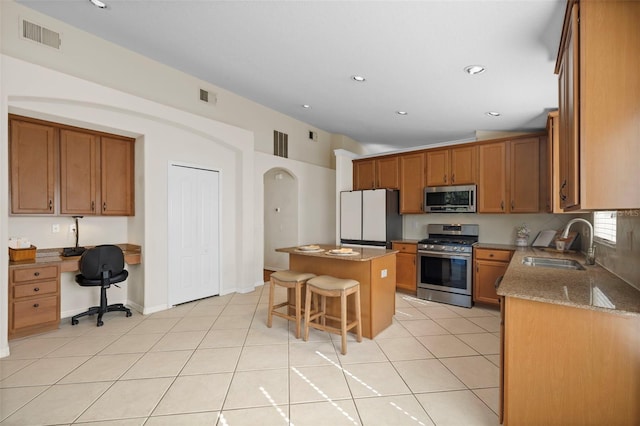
pixel 454 166
pixel 509 176
pixel 96 170
pixel 412 182
pixel 32 151
pixel 598 103
pixel 376 173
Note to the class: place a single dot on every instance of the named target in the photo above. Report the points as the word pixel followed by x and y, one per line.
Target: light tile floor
pixel 214 361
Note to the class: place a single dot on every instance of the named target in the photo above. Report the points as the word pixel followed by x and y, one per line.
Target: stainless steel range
pixel 444 264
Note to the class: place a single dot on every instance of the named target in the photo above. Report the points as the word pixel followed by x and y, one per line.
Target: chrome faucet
pixel 591 250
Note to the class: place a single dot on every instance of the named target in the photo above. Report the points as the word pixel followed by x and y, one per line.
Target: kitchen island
pixel 373 268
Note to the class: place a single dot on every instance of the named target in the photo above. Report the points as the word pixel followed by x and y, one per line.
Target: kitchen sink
pixel 549 262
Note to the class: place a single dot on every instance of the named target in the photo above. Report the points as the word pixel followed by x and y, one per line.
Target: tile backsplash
pixel 623 259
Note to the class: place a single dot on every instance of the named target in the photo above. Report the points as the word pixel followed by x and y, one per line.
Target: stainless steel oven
pixel 444 264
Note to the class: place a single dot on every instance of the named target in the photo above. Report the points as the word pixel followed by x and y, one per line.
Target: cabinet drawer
pixel 32 274
pixel 405 247
pixel 35 311
pixel 491 254
pixel 35 289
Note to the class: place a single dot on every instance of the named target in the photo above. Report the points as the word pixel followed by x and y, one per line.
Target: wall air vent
pixel 280 144
pixel 40 34
pixel 208 97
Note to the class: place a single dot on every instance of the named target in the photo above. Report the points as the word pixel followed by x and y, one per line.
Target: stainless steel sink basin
pixel 549 262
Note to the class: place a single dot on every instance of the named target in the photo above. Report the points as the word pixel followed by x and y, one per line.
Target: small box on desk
pixel 16 255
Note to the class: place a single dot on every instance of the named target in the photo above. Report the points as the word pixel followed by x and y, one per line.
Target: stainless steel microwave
pixel 450 199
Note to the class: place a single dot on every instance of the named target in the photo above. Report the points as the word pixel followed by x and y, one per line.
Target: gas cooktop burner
pixel 444 241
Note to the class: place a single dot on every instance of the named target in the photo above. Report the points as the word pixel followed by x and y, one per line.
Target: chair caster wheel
pixel 100 323
pixel 74 322
pixel 129 314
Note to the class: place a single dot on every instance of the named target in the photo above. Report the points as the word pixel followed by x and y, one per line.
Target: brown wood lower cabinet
pixel 489 266
pixel 406 276
pixel 569 366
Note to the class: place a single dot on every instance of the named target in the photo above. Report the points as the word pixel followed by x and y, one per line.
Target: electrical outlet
pixel 72 228
pixel 383 273
pixel 55 228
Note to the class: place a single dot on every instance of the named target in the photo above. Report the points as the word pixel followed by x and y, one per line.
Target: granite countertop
pixel 131 252
pixel 496 246
pixel 362 253
pixel 594 288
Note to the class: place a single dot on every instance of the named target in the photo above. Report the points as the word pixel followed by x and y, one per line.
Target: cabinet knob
pixel 512 205
pixel 36 305
pixel 104 206
pixel 490 254
pixel 37 274
pixel 36 289
pixel 50 205
pixel 445 178
pixel 502 205
pixel 453 178
pixel 93 206
pixel 562 196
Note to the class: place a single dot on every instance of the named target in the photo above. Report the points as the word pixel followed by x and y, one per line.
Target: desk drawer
pixel 37 273
pixel 35 289
pixel 492 254
pixel 35 311
pixel 405 247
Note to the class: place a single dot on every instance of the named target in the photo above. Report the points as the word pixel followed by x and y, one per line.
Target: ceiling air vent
pixel 280 144
pixel 40 34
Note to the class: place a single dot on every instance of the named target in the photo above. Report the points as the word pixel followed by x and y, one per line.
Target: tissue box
pixel 16 255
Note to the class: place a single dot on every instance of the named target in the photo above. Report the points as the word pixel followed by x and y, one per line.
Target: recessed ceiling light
pixel 358 78
pixel 493 114
pixel 98 3
pixel 401 112
pixel 305 106
pixel 474 69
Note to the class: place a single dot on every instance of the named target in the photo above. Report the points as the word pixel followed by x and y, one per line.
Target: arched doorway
pixel 280 216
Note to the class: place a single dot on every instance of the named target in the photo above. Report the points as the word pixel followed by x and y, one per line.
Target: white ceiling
pixel 283 54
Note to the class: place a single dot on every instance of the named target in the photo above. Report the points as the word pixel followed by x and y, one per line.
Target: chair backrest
pixel 100 259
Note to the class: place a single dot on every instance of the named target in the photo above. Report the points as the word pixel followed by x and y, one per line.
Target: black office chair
pixel 102 266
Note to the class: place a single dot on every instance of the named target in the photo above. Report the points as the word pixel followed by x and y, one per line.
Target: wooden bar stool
pixel 291 280
pixel 327 286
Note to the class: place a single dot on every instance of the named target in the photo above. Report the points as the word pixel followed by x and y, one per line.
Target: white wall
pixel 280 216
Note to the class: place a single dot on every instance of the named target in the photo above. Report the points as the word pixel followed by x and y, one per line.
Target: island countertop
pixel 362 254
pixel 594 288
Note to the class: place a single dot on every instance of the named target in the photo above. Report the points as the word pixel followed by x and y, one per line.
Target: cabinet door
pixel 438 168
pixel 78 172
pixel 492 179
pixel 32 164
pixel 117 181
pixel 524 172
pixel 412 182
pixel 463 165
pixel 486 275
pixel 406 278
pixel 387 173
pixel 363 174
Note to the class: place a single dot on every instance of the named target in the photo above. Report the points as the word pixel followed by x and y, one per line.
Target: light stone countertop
pixel 595 288
pixel 361 254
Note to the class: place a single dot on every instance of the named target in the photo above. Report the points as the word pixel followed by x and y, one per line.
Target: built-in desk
pixel 34 289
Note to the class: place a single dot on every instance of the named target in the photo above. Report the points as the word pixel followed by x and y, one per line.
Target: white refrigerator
pixel 370 217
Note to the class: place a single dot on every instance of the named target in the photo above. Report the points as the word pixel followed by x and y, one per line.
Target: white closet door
pixel 194 235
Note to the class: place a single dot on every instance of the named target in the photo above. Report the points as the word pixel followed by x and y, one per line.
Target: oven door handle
pixel 445 255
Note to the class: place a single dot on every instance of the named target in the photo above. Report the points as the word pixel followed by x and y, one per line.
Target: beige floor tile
pixel 186 340
pixel 421 303
pixel 392 410
pixel 193 419
pixel 10 366
pixel 132 343
pixel 155 325
pixel 11 399
pixel 215 300
pixel 246 298
pixel 258 388
pixel 116 323
pixel 396 329
pixel 436 312
pixel 409 313
pixel 375 379
pixel 223 338
pixel 84 345
pixel 359 352
pixel 215 360
pixel 490 396
pixel 423 328
pixel 273 416
pixel 457 408
pixel 59 404
pixel 232 322
pixel 35 347
pixel 205 310
pixel 474 371
pixel 495 359
pixel 193 323
pixel 245 309
pixel 127 399
pixel 459 325
pixel 402 302
pixel 192 394
pixel 334 413
pixel 269 336
pixel 484 343
pixel 102 368
pixel 427 376
pixel 446 346
pixel 403 348
pixel 263 357
pixel 174 312
pixel 158 364
pixel 476 311
pixel 312 353
pixel 45 371
pixel 317 383
pixel 491 324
